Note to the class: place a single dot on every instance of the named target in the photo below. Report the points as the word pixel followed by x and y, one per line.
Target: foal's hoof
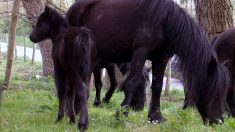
pixel 82 127
pixel 97 103
pixel 156 118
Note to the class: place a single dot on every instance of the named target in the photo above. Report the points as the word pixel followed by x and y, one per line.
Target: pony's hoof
pixel 105 101
pixel 82 127
pixel 156 118
pixel 137 108
pixel 72 121
pixel 97 103
pixel 58 120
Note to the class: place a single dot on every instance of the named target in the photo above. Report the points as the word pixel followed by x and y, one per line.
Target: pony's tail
pixel 212 102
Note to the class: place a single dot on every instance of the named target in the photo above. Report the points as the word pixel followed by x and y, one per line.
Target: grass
pixel 30 105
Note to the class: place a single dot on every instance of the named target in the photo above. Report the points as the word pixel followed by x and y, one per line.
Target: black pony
pixel 73 54
pixel 224 45
pixel 138 100
pixel 137 30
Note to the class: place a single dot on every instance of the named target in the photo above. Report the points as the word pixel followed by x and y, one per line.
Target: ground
pixel 31 105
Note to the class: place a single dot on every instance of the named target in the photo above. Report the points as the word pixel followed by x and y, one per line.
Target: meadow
pixel 30 105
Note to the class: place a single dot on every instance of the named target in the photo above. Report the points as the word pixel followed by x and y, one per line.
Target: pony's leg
pixel 231 96
pixel 112 75
pixel 131 83
pixel 76 105
pixel 98 86
pixel 60 80
pixel 82 92
pixel 71 100
pixel 158 70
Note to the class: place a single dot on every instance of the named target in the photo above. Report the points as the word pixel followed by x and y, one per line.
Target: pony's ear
pixel 212 66
pixel 47 10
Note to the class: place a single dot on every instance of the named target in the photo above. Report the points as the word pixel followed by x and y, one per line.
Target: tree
pixel 215 16
pixel 168 78
pixel 33 9
pixel 12 41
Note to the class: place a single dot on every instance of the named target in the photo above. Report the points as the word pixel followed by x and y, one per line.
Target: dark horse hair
pixel 156 30
pixel 138 100
pixel 139 95
pixel 73 54
pixel 206 80
pixel 224 45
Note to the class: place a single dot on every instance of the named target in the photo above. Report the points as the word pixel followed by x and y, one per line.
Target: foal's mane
pixel 55 18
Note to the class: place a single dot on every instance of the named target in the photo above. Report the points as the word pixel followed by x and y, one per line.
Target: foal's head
pixel 50 23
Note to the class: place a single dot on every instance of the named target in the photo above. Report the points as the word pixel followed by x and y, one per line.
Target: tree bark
pixel 15 52
pixel 33 55
pixel 168 79
pixel 215 16
pixel 33 9
pixel 12 41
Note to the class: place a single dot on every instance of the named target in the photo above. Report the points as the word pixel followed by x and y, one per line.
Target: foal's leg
pixel 98 85
pixel 112 75
pixel 71 99
pixel 158 70
pixel 60 80
pixel 81 91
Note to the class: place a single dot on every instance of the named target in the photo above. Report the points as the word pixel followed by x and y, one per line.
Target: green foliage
pixel 23 27
pixel 4 25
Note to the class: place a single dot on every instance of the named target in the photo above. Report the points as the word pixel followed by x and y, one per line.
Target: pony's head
pixel 211 102
pixel 48 25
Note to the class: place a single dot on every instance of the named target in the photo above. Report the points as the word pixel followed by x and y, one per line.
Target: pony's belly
pixel 113 55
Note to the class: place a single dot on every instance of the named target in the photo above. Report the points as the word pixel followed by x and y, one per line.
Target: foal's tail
pixel 79 48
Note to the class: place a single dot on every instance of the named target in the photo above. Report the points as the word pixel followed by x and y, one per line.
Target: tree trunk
pixel 33 55
pixel 168 79
pixel 33 9
pixel 215 16
pixel 15 52
pixel 25 43
pixel 12 41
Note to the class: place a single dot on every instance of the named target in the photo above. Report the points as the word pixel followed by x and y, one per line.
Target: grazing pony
pixel 138 100
pixel 137 30
pixel 73 54
pixel 224 45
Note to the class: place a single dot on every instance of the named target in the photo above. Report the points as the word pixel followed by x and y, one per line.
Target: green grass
pixel 33 108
